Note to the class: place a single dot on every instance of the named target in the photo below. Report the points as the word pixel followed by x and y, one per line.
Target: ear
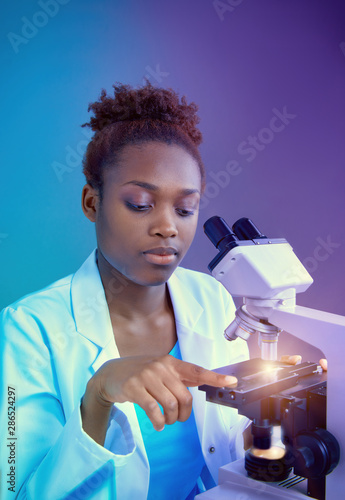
pixel 90 202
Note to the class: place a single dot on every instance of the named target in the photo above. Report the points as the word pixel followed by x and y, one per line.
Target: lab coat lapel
pixel 91 312
pixel 195 343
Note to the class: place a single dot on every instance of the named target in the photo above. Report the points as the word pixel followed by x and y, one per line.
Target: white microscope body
pixel 267 274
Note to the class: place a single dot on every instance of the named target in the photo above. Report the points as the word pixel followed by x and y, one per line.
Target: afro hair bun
pixel 145 103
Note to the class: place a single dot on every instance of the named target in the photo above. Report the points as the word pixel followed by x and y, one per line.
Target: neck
pixel 128 299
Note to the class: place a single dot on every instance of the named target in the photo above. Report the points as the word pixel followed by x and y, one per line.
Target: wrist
pixel 95 412
pixel 94 395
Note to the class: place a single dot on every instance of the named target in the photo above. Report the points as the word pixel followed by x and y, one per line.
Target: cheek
pixel 187 232
pixel 110 229
pixel 118 235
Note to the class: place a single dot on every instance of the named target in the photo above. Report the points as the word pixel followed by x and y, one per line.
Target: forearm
pixel 95 414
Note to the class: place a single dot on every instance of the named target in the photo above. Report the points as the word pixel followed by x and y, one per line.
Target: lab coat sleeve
pixel 52 455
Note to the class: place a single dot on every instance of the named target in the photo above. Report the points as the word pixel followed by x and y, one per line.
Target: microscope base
pixel 234 482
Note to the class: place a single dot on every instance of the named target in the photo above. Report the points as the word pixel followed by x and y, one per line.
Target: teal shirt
pixel 174 455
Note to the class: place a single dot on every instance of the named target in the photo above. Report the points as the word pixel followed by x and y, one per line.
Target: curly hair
pixel 135 116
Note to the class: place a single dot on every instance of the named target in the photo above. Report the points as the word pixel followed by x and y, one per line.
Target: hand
pixel 323 363
pixel 291 360
pixel 147 381
pixel 294 360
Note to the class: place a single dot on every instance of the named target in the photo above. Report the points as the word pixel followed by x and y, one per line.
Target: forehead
pixel 156 163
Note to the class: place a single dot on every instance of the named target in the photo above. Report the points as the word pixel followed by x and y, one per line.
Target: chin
pixel 156 277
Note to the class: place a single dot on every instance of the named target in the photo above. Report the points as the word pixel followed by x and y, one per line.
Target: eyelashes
pixel 137 208
pixel 143 208
pixel 184 213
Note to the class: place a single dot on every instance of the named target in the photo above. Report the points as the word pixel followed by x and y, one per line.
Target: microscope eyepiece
pixel 220 234
pixel 245 229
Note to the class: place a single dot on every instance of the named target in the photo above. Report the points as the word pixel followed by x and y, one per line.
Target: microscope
pixel 267 274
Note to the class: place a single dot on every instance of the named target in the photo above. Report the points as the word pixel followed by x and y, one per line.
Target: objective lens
pixel 268 344
pixel 238 328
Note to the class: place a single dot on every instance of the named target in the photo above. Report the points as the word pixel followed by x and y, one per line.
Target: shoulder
pixel 47 302
pixel 57 295
pixel 57 290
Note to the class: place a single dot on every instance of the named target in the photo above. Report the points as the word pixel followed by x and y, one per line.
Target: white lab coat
pixel 54 340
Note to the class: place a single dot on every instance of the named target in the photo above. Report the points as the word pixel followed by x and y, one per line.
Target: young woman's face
pixel 148 215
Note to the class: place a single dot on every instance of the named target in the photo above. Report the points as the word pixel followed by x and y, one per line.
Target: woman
pixel 105 363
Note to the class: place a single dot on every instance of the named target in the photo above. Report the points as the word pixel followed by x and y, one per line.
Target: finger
pixel 184 400
pixel 169 402
pixel 324 364
pixel 233 383
pixel 291 360
pixel 149 404
pixel 194 375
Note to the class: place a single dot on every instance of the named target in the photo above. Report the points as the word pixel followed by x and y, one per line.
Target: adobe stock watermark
pixel 324 248
pixel 256 143
pixel 157 74
pixel 222 7
pixel 249 148
pixel 73 158
pixel 96 481
pixel 30 27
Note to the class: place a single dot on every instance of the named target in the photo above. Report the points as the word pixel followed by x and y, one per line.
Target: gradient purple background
pixel 262 55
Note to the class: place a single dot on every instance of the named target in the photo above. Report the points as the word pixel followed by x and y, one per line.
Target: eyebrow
pixel 153 187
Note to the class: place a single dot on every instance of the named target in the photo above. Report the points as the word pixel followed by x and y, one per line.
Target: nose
pixel 164 224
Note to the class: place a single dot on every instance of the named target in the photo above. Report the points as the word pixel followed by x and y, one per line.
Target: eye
pixel 137 208
pixel 184 213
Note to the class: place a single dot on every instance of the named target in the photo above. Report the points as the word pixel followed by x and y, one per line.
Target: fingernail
pixel 295 359
pixel 230 380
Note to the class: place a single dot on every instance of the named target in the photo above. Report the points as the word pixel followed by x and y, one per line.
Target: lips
pixel 161 255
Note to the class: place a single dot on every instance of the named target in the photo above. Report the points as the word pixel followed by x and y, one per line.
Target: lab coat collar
pixel 89 304
pixel 187 309
pixel 193 332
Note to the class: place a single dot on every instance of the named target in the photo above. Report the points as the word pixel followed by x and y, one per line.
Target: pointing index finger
pixel 194 375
